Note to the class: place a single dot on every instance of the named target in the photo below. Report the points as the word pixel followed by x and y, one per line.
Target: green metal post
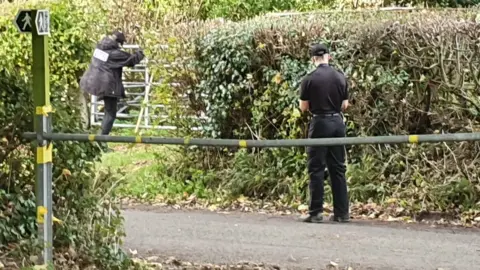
pixel 41 98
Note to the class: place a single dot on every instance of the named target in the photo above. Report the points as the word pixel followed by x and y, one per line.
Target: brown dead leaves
pixel 155 263
pixel 390 211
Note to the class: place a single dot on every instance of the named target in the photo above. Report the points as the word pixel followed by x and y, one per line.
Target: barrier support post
pixel 42 120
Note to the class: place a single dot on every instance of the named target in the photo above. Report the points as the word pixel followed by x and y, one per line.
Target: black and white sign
pixel 100 55
pixel 23 21
pixel 42 22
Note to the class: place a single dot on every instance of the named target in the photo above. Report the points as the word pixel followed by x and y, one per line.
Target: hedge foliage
pixel 83 199
pixel 237 10
pixel 410 73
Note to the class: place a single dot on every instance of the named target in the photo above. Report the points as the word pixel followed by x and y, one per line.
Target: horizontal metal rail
pixel 396 139
pixel 163 116
pixel 160 127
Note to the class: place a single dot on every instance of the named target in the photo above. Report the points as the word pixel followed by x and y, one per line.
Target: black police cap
pixel 318 50
pixel 120 36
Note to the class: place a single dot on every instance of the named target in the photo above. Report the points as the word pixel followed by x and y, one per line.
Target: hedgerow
pixel 409 73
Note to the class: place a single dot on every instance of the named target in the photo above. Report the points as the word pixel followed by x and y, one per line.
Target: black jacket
pixel 104 75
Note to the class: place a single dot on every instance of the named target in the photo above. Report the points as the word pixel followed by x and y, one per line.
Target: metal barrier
pixel 395 139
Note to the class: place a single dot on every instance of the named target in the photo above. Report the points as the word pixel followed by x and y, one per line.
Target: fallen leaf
pixel 174 261
pixel 137 260
pixel 392 200
pixel 332 263
pixel 390 218
pixel 66 172
pixel 212 207
pixel 72 252
pixel 241 199
pixel 302 207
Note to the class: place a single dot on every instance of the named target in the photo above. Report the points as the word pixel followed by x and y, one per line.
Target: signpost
pixel 23 21
pixel 40 29
pixel 42 22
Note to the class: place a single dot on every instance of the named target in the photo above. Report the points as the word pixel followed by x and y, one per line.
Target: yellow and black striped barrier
pixel 394 139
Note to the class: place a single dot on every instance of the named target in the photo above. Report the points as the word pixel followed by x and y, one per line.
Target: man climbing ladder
pixel 103 77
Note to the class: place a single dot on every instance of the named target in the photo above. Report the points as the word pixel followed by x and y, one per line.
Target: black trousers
pixel 110 110
pixel 332 157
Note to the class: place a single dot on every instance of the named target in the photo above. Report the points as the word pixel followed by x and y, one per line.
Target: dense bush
pixel 236 10
pixel 91 231
pixel 410 73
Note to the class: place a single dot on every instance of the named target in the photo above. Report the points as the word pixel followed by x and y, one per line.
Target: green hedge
pixel 410 73
pixel 83 199
pixel 238 10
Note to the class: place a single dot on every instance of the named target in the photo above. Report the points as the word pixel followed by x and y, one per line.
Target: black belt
pixel 325 114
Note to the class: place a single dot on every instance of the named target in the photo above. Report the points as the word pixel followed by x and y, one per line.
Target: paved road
pixel 206 237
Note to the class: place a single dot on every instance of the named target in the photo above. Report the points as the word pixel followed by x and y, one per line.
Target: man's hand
pixel 304 106
pixel 345 105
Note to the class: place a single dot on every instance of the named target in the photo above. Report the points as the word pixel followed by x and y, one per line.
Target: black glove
pixel 140 54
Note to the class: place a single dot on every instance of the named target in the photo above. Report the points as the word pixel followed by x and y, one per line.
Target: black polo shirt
pixel 325 89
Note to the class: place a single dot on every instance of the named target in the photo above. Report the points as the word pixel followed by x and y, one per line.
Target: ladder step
pixel 131 46
pixel 135 94
pixel 134 85
pixel 134 70
pixel 163 116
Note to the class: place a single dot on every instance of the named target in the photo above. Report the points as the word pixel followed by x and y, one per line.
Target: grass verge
pixel 152 175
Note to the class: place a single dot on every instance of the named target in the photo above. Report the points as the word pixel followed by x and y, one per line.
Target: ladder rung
pixel 127 82
pixel 134 85
pixel 119 115
pixel 131 46
pixel 144 126
pixel 134 70
pixel 134 94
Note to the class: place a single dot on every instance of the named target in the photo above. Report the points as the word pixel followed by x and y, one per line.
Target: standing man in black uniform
pixel 324 93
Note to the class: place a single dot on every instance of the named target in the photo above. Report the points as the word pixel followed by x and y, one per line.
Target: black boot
pixel 313 219
pixel 342 219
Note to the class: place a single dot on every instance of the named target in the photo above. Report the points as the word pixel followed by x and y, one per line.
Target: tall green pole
pixel 41 99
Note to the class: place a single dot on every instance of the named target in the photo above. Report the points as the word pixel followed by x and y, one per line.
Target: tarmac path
pixel 208 237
